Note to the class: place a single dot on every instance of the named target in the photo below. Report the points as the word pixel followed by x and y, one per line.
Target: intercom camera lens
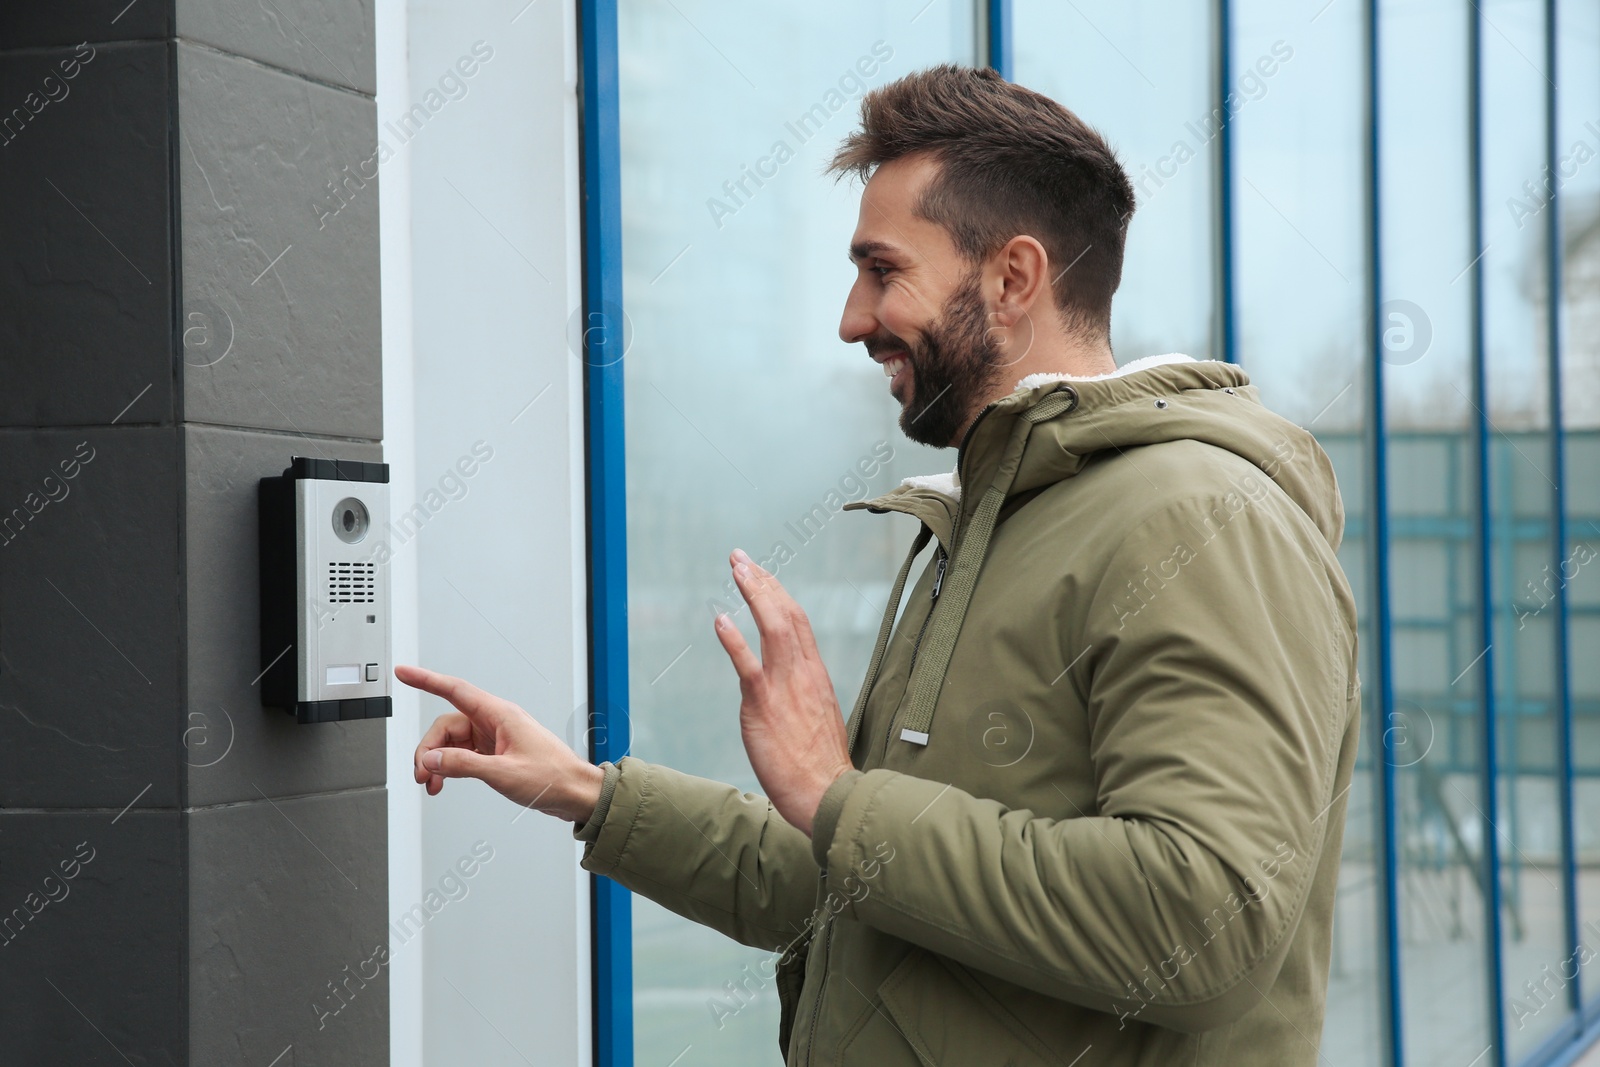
pixel 350 520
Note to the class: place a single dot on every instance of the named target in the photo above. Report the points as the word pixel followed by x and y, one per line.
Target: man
pixel 1090 799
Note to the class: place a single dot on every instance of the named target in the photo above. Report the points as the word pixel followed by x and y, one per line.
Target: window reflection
pixel 1436 601
pixel 1300 211
pixel 1521 506
pixel 1578 569
pixel 1142 73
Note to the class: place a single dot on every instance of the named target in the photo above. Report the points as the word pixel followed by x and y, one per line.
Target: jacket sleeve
pixel 704 850
pixel 1216 705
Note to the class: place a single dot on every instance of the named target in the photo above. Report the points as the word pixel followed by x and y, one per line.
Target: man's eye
pixel 880 271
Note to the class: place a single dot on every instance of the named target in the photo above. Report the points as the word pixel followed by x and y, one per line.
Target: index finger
pixel 484 709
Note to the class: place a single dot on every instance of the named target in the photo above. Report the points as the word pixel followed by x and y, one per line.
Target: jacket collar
pixel 938 500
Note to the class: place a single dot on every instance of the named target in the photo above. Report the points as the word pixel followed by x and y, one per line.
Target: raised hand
pixel 793 731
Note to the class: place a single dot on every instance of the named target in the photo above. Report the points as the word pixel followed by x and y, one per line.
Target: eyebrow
pixel 867 249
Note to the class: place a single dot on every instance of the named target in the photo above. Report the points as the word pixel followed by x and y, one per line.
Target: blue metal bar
pixel 1490 860
pixel 1378 554
pixel 1508 695
pixel 1558 540
pixel 997 35
pixel 602 349
pixel 1227 313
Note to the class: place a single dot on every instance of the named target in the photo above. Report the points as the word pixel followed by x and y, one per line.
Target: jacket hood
pixel 1146 402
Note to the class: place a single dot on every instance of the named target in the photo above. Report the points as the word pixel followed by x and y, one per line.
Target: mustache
pixel 886 343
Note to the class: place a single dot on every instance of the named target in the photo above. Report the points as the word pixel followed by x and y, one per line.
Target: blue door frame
pixel 601 344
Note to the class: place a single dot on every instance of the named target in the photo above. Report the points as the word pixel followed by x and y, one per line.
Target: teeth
pixel 892 365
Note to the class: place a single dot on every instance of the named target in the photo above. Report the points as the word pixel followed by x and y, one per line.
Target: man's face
pixel 918 307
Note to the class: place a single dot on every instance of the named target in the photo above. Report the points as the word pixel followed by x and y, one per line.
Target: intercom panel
pixel 325 642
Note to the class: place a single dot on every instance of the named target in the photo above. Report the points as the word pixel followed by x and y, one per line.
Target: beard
pixel 952 367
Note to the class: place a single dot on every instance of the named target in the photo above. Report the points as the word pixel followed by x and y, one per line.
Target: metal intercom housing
pixel 325 590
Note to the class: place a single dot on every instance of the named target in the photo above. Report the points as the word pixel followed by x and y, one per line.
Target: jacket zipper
pixel 827 942
pixel 938 582
pixel 961 449
pixel 822 987
pixel 940 566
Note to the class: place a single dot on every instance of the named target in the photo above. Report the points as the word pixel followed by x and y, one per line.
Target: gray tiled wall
pixel 189 297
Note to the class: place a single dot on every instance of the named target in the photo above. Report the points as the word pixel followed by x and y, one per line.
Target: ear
pixel 1019 279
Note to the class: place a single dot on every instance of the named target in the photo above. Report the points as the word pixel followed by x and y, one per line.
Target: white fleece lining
pixel 1033 381
pixel 939 483
pixel 947 483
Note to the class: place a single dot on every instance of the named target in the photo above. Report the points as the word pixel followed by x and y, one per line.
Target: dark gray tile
pixel 236 749
pixel 86 282
pixel 90 658
pixel 93 957
pixel 282 273
pixel 329 40
pixel 288 931
pixel 35 25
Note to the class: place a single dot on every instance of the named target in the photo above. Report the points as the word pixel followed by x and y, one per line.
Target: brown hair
pixel 1011 162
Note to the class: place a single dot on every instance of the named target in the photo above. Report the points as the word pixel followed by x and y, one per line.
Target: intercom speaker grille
pixel 352 583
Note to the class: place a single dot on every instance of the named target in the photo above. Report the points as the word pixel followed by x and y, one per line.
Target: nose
pixel 858 322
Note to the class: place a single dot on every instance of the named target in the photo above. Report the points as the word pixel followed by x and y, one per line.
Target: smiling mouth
pixel 898 370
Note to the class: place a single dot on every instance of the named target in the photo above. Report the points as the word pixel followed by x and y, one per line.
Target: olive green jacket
pixel 1103 756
